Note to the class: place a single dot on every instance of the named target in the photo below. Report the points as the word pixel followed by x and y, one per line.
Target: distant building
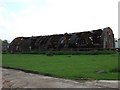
pixel 116 44
pixel 119 43
pixel 5 46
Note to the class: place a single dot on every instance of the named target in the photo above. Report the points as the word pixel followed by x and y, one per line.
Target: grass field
pixel 66 66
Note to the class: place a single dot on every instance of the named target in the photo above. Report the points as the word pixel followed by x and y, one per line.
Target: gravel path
pixel 19 79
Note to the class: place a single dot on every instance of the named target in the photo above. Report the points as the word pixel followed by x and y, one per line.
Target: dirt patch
pixel 19 79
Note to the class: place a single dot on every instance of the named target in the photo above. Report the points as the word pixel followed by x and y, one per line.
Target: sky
pixel 45 17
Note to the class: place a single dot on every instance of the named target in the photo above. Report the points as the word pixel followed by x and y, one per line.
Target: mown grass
pixel 66 66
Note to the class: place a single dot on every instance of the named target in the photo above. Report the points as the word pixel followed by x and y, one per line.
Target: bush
pixel 115 70
pixel 51 53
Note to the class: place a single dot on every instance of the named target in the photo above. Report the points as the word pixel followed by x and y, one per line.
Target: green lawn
pixel 66 66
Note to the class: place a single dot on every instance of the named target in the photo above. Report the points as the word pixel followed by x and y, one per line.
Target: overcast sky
pixel 46 17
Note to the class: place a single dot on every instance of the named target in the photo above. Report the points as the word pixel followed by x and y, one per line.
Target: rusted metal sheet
pixel 95 39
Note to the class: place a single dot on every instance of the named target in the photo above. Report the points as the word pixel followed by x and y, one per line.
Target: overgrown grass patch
pixel 66 66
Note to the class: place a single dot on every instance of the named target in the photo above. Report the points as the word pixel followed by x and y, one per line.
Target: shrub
pixel 115 70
